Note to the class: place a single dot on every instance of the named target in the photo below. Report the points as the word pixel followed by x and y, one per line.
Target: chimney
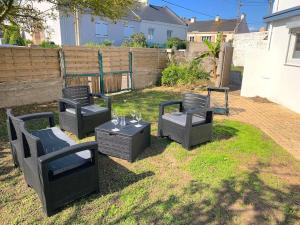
pixel 243 16
pixel 193 20
pixel 217 19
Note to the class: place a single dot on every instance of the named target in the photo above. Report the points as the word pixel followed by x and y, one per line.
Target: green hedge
pixel 181 74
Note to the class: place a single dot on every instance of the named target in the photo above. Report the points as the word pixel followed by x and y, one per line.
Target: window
pixel 150 33
pixel 192 38
pixel 296 54
pixel 203 38
pixel 101 29
pixel 128 31
pixel 169 34
pixel 293 53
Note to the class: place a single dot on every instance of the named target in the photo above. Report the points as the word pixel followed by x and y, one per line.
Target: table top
pixel 129 130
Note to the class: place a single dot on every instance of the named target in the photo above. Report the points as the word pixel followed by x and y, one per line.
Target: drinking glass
pixel 123 121
pixel 132 113
pixel 138 117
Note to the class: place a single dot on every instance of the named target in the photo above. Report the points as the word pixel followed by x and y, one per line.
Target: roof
pixel 213 26
pixel 155 13
pixel 295 11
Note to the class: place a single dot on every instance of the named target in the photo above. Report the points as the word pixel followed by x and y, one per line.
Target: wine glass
pixel 115 121
pixel 138 117
pixel 132 113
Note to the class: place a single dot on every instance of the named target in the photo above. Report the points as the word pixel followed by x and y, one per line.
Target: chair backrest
pixel 194 101
pixel 13 124
pixel 31 144
pixel 79 94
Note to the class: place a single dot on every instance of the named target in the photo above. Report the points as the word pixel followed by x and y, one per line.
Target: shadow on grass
pixel 223 132
pixel 115 177
pixel 248 198
pixel 158 146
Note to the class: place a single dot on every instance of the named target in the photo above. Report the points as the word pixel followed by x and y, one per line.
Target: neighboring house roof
pixel 214 26
pixel 295 11
pixel 155 14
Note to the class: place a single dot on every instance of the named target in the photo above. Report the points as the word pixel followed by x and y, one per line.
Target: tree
pixel 25 15
pixel 213 52
pixel 137 40
pixel 12 36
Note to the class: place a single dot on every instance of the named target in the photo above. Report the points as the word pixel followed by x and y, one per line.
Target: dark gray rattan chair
pixel 77 112
pixel 14 135
pixel 59 170
pixel 191 125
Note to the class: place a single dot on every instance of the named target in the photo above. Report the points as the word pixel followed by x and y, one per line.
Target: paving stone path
pixel 278 122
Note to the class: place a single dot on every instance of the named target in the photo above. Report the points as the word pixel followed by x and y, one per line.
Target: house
pixel 274 73
pixel 198 31
pixel 156 22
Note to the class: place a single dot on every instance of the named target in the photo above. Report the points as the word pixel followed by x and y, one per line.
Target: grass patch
pixel 241 177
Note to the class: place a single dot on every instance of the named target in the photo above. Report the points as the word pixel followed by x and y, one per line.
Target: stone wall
pixel 242 43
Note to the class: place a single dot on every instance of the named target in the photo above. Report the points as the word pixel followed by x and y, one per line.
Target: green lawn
pixel 241 177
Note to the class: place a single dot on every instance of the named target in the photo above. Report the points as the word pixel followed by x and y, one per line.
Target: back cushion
pixel 78 93
pixel 194 101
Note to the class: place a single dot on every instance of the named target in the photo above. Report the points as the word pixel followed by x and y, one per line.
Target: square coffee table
pixel 127 143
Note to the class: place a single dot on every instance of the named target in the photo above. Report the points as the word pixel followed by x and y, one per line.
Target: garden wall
pixel 243 43
pixel 29 75
pixel 34 75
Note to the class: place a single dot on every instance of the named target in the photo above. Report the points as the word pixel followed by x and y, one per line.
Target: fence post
pixel 130 70
pixel 101 73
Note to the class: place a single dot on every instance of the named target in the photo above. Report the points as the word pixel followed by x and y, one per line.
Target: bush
pixel 48 44
pixel 105 43
pixel 183 74
pixel 171 74
pixel 176 43
pixel 137 40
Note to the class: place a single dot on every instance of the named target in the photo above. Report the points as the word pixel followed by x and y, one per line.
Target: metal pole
pixel 130 70
pixel 101 73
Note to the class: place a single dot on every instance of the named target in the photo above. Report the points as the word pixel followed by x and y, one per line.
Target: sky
pixel 255 10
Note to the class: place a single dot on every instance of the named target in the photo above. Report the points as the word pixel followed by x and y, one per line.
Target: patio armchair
pixel 58 169
pixel 78 113
pixel 191 125
pixel 14 135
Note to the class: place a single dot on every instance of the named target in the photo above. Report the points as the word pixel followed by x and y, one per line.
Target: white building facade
pixel 156 22
pixel 274 73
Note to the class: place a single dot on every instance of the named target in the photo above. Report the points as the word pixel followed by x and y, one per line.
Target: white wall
pixel 284 4
pixel 242 43
pixel 267 75
pixel 160 31
pixel 116 30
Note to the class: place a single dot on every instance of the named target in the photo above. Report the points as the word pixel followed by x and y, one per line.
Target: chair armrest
pixel 92 146
pixel 169 103
pixel 106 98
pixel 208 112
pixel 218 89
pixel 63 102
pixel 41 115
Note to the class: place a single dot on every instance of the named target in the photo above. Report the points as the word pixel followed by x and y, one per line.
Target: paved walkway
pixel 278 122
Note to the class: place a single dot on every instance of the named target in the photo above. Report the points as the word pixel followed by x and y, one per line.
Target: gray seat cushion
pixel 53 139
pixel 88 110
pixel 180 118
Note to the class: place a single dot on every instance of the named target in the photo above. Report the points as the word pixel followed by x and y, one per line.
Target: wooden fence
pixel 34 75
